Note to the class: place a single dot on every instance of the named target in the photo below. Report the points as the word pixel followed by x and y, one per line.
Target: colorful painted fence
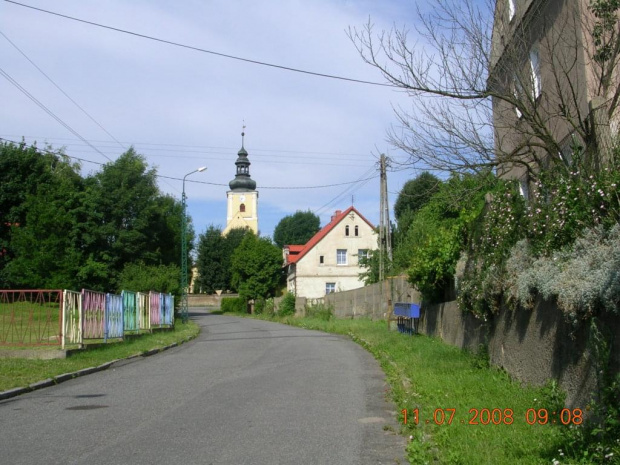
pixel 71 317
pixel 31 317
pixel 56 317
pixel 113 316
pixel 93 314
pixel 131 315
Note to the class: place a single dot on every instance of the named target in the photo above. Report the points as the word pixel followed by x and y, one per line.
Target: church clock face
pixel 242 198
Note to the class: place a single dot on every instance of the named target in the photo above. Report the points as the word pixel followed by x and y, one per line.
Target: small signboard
pixel 407 310
pixel 408 316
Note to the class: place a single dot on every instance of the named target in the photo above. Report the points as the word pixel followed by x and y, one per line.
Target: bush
pixel 234 305
pixel 139 277
pixel 320 312
pixel 438 232
pixel 287 305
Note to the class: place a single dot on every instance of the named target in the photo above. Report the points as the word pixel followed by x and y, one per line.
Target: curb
pixel 83 372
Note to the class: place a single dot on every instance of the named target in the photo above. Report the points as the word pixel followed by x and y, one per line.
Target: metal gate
pixel 93 311
pixel 113 316
pixel 130 311
pixel 71 318
pixel 156 308
pixel 30 317
pixel 144 310
pixel 168 309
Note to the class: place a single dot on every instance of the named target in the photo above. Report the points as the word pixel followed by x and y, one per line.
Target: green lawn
pixel 428 375
pixel 16 372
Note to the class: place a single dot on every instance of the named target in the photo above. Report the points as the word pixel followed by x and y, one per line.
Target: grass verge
pixel 428 375
pixel 15 372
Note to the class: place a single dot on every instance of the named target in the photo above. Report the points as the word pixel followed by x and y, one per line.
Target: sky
pixel 182 109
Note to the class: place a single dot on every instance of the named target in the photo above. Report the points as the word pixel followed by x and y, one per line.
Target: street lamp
pixel 184 283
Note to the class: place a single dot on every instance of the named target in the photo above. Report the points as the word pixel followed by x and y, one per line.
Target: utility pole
pixel 385 242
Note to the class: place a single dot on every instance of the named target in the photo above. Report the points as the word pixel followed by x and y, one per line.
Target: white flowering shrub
pixel 583 278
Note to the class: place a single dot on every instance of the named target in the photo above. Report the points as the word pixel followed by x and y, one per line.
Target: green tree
pixel 131 221
pixel 415 194
pixel 211 262
pixel 23 171
pixel 139 277
pixel 46 243
pixel 438 233
pixel 256 267
pixel 214 258
pixel 296 229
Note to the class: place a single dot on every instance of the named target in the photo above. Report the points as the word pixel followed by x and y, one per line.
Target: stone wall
pixel 533 346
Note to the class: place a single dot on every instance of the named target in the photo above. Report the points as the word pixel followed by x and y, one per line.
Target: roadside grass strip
pixel 467 412
pixel 17 372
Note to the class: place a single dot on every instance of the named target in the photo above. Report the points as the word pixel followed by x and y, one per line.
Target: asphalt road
pixel 244 392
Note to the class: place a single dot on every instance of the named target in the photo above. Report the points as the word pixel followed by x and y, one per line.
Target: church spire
pixel 242 181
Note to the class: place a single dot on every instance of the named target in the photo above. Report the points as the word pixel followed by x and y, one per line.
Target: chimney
pixel 336 214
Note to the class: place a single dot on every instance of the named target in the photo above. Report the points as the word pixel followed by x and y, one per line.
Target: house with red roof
pixel 329 261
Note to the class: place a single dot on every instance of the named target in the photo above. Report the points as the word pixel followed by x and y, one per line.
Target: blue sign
pixel 407 310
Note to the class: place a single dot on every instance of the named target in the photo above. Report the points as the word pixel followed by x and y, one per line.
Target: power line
pixel 60 89
pixel 208 149
pixel 198 49
pixel 324 186
pixel 363 180
pixel 50 112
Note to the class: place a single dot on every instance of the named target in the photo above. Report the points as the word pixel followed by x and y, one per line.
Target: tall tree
pixel 23 170
pixel 214 258
pixel 46 244
pixel 256 267
pixel 212 274
pixel 296 229
pixel 131 220
pixel 415 194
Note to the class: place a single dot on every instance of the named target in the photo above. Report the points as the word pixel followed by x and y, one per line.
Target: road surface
pixel 244 392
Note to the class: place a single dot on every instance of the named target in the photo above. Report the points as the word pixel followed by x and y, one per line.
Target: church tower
pixel 242 197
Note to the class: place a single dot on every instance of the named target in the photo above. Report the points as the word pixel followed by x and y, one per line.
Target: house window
pixel 512 7
pixel 321 259
pixel 330 288
pixel 524 188
pixel 341 256
pixel 535 70
pixel 362 253
pixel 518 93
pixel 346 230
pixel 242 208
pixel 357 231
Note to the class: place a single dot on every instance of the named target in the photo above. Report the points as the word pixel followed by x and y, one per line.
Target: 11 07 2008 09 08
pixel 495 416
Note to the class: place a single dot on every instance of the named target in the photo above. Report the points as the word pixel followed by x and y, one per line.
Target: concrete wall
pixel 533 346
pixel 372 301
pixel 207 300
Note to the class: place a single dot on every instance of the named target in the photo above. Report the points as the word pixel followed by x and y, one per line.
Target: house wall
pixel 533 346
pixel 556 28
pixel 311 276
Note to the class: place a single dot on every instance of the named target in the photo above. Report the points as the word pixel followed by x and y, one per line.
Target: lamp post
pixel 184 283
